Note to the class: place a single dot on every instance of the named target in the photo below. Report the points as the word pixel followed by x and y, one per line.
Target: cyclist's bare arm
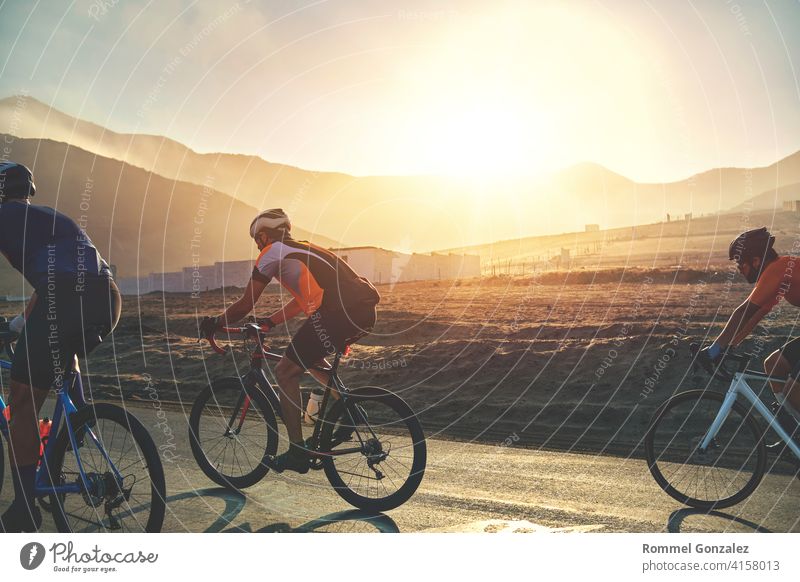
pixel 286 312
pixel 244 305
pixel 741 322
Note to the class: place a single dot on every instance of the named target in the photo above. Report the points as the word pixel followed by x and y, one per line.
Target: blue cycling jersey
pixel 41 242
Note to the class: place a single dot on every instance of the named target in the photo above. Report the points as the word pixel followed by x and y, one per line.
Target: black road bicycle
pixel 368 440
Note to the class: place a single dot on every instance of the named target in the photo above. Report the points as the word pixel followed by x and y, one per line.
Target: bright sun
pixel 483 140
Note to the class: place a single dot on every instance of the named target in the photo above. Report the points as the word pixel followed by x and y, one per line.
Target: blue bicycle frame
pixel 71 384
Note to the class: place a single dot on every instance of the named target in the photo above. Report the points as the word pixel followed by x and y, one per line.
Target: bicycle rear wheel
pixel 389 453
pixel 134 503
pixel 231 435
pixel 722 475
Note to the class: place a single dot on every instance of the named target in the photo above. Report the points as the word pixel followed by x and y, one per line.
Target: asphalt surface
pixel 467 488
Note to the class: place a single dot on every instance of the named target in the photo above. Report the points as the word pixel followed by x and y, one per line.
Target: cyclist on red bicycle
pixel 340 305
pixel 775 277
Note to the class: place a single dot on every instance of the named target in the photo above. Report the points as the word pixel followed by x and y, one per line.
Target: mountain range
pixel 146 192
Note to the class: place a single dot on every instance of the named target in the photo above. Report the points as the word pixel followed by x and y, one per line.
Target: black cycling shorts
pixel 54 330
pixel 327 331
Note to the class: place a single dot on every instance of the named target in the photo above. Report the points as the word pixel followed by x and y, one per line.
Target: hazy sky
pixel 653 90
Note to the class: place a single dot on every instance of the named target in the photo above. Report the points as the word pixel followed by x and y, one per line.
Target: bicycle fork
pixel 244 398
pixel 720 419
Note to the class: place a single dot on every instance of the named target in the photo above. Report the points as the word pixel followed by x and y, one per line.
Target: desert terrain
pixel 569 361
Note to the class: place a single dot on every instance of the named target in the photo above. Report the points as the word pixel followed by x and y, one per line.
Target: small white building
pixel 383 266
pixel 371 262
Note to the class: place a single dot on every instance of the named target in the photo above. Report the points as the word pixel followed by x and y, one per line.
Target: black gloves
pixel 209 325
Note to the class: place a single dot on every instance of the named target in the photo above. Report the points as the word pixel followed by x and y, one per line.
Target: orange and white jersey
pixel 779 280
pixel 314 276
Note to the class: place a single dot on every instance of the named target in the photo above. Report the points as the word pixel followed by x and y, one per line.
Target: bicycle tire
pixel 369 399
pixel 2 464
pixel 145 456
pixel 209 415
pixel 740 423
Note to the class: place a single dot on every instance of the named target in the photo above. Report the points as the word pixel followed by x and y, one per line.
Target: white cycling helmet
pixel 273 219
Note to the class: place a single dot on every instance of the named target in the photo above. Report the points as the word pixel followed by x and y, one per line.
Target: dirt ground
pixel 569 361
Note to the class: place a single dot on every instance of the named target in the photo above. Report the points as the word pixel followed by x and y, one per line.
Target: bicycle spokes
pixel 111 466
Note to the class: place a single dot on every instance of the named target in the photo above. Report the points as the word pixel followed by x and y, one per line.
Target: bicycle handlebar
pixel 250 329
pixel 258 330
pixel 717 368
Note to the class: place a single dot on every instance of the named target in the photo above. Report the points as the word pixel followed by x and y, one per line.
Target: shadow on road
pixel 234 502
pixel 676 518
pixel 351 521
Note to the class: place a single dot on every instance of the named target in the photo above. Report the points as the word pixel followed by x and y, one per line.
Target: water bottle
pixel 45 425
pixel 312 407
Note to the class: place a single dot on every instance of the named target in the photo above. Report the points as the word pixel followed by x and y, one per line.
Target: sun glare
pixel 488 98
pixel 479 141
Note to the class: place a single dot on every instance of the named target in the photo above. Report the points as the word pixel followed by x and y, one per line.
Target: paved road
pixel 467 487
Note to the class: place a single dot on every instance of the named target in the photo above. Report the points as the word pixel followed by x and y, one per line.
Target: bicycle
pixel 706 449
pixel 88 469
pixel 368 441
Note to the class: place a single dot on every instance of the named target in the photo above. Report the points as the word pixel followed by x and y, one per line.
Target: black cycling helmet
pixel 16 181
pixel 750 244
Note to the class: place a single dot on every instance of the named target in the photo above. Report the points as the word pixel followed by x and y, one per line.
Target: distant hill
pixel 593 191
pixel 345 208
pixel 772 198
pixel 140 221
pixel 413 213
pixel 697 243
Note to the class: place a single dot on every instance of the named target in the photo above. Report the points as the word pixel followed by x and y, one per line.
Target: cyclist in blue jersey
pixel 73 291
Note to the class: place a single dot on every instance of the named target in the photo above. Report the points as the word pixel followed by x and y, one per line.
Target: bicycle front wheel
pixel 232 431
pixel 376 450
pixel 723 474
pixel 122 488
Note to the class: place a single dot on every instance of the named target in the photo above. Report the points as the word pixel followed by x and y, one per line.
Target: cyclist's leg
pixel 288 373
pixel 777 365
pixel 29 387
pixel 792 388
pixel 310 344
pixel 785 362
pixel 322 377
pixel 337 330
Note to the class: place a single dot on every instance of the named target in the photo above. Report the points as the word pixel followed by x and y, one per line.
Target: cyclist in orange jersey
pixel 339 304
pixel 776 278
